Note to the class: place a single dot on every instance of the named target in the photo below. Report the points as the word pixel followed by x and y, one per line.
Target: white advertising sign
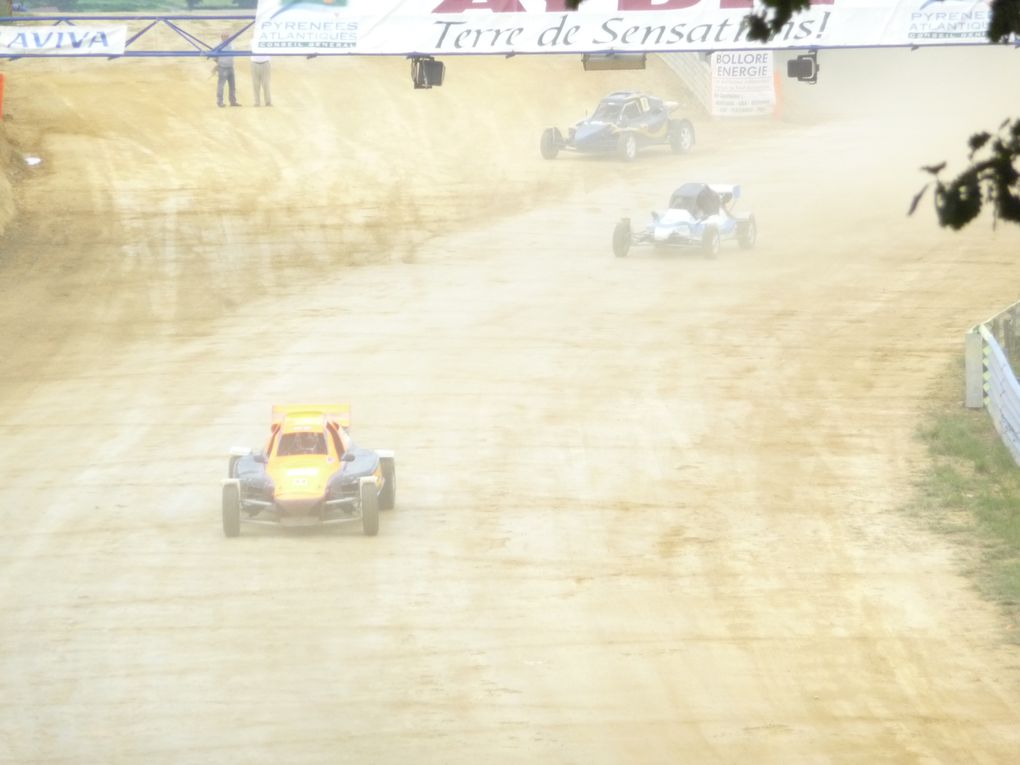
pixel 445 27
pixel 743 83
pixel 17 40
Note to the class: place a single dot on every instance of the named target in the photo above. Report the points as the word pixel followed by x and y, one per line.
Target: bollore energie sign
pixel 545 26
pixel 742 83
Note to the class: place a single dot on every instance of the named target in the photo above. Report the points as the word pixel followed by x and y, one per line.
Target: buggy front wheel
pixel 747 233
pixel 231 510
pixel 551 141
pixel 627 147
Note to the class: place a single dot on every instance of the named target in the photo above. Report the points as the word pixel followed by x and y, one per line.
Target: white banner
pixel 448 27
pixel 17 40
pixel 743 83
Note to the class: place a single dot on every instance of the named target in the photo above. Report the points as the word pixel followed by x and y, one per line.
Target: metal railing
pixel 142 26
pixel 991 355
pixel 693 70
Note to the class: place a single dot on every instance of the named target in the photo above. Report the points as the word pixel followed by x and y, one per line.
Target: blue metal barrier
pixel 198 47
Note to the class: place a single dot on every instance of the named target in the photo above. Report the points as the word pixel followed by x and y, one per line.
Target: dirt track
pixel 647 507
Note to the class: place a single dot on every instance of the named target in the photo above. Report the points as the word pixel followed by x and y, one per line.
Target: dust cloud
pixel 928 100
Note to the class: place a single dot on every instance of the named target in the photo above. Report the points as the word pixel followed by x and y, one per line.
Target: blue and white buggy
pixel 700 215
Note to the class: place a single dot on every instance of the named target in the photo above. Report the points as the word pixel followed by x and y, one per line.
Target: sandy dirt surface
pixel 648 508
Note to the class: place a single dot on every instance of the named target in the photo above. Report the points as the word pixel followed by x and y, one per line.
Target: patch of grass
pixel 971 490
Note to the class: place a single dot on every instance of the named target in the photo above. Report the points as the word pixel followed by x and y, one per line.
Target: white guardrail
pixel 990 380
pixel 693 69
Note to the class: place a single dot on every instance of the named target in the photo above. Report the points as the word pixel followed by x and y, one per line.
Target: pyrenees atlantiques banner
pixel 455 27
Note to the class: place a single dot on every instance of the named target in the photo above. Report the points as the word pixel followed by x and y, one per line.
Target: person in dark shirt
pixel 225 73
pixel 708 202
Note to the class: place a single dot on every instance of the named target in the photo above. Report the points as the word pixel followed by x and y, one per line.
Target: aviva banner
pixel 545 26
pixel 62 41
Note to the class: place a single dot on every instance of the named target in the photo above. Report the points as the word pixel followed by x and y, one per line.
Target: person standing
pixel 225 73
pixel 260 71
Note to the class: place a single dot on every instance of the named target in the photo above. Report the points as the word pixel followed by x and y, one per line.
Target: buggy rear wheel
pixel 388 495
pixel 681 136
pixel 747 234
pixel 231 510
pixel 369 508
pixel 621 238
pixel 710 243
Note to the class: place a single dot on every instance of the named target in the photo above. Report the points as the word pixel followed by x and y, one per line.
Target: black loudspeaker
pixel 804 68
pixel 426 72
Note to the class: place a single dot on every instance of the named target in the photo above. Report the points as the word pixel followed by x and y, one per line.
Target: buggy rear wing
pixel 723 189
pixel 340 413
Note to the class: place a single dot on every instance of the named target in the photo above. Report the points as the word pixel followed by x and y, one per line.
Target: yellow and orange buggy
pixel 309 473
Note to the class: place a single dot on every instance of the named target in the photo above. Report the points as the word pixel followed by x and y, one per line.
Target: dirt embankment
pixel 350 158
pixel 153 185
